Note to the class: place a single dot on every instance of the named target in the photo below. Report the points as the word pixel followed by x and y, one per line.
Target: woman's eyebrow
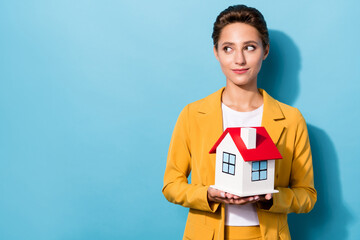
pixel 246 42
pixel 227 43
pixel 251 41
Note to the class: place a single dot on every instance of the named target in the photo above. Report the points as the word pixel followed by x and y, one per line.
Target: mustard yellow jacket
pixel 197 129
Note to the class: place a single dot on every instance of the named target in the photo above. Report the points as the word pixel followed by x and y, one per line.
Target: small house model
pixel 245 161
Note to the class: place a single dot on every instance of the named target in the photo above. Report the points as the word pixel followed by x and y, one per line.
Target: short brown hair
pixel 242 14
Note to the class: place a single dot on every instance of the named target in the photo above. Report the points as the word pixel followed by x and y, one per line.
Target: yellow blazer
pixel 197 129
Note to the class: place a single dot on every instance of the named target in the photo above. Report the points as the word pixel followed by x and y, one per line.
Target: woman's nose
pixel 240 58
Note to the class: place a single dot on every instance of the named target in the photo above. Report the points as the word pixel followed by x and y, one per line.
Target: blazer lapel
pixel 272 117
pixel 211 116
pixel 209 119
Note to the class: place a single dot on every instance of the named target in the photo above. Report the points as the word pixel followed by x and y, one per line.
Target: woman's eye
pixel 250 48
pixel 227 49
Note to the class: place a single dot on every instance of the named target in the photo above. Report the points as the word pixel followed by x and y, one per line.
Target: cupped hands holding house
pixel 215 195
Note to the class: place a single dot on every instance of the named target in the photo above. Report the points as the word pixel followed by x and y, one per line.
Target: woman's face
pixel 240 53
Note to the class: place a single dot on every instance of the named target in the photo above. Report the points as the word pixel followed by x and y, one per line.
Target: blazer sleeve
pixel 300 196
pixel 176 188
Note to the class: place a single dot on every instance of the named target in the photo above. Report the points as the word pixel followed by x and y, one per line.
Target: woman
pixel 241 43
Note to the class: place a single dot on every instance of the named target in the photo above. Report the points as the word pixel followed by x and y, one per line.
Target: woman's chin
pixel 241 84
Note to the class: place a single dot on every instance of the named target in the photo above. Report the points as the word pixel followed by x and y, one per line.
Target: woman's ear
pixel 266 51
pixel 216 53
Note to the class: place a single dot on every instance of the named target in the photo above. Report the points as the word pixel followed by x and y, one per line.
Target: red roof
pixel 265 147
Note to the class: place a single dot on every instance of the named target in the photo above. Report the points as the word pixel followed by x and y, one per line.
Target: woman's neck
pixel 242 98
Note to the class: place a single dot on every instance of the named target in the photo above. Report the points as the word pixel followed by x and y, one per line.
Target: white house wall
pixel 257 187
pixel 224 181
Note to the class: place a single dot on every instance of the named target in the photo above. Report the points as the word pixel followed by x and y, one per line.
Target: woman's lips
pixel 240 71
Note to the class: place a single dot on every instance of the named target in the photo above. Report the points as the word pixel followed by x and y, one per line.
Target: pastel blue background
pixel 90 92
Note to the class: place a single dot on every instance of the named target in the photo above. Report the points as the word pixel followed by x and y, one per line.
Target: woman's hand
pixel 215 195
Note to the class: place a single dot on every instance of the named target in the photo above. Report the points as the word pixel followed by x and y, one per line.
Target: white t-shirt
pixel 241 215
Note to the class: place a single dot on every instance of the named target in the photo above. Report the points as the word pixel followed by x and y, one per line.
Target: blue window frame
pixel 228 165
pixel 259 171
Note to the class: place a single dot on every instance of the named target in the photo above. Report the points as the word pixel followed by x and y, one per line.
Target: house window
pixel 228 165
pixel 259 171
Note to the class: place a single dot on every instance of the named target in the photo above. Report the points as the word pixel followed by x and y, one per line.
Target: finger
pixel 249 199
pixel 219 193
pixel 243 202
pixel 240 201
pixel 233 196
pixel 222 200
pixel 229 195
pixel 252 199
pixel 236 197
pixel 216 193
pixel 222 194
pixel 268 196
pixel 265 197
